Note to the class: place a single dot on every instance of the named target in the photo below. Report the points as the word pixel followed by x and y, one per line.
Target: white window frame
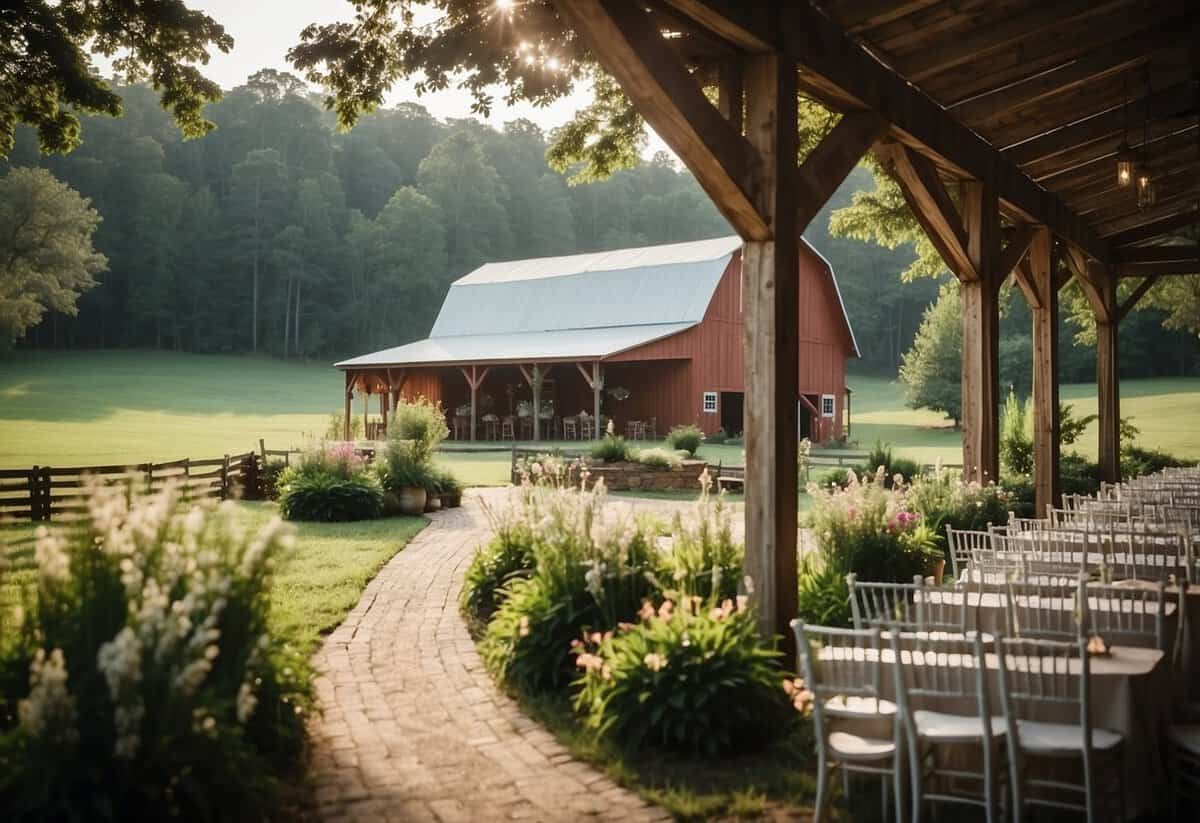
pixel 709 399
pixel 832 405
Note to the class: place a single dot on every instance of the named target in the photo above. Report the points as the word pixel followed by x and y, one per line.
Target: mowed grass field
pixel 89 408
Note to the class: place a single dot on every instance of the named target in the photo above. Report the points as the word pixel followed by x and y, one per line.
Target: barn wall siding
pixel 667 378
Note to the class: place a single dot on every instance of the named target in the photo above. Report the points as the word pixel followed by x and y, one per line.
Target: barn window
pixel 827 405
pixel 710 402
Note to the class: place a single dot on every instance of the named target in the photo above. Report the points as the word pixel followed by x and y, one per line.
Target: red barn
pixel 647 337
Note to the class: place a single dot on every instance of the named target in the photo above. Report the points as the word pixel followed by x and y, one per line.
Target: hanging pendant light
pixel 1126 165
pixel 1126 159
pixel 1146 195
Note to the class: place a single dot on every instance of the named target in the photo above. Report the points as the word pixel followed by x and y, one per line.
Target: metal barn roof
pixel 559 344
pixel 575 307
pixel 628 287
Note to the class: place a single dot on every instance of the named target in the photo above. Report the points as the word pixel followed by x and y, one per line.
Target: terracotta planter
pixel 433 502
pixel 937 570
pixel 412 500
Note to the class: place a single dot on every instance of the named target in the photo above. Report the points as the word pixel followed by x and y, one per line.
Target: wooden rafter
pixel 1062 80
pixel 1128 304
pixel 624 38
pixel 1165 103
pixel 1182 252
pixel 1188 267
pixel 932 206
pixel 1014 252
pixel 985 40
pixel 1181 205
pixel 829 59
pixel 828 165
pixel 1155 228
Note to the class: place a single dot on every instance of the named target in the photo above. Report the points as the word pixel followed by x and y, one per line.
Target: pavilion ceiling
pixel 1055 86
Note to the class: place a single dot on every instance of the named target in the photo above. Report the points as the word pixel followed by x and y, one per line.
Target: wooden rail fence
pixel 41 493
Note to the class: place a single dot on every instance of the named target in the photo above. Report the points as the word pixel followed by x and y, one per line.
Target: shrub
pixel 143 681
pixel 329 483
pixel 589 573
pixel 1016 444
pixel 420 422
pixel 942 498
pixel 685 438
pixel 695 679
pixel 336 427
pixel 881 457
pixel 704 560
pixel 328 499
pixel 268 478
pixel 1078 474
pixel 658 458
pixel 867 529
pixel 1021 494
pixel 839 477
pixel 612 449
pixel 506 557
pixel 403 466
pixel 718 437
pixel 1136 461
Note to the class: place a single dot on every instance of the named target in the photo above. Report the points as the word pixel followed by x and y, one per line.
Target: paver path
pixel 413 728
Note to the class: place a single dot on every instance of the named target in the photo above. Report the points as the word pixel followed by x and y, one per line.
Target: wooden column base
pixel 980 381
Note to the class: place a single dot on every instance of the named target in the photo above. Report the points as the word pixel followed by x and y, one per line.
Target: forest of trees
pixel 276 234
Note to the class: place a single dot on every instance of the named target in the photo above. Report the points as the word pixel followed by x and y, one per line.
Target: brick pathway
pixel 413 728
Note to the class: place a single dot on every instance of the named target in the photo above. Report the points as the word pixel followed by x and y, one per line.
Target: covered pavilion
pixel 1006 125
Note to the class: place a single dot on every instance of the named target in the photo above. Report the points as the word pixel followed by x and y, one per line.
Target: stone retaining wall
pixel 629 476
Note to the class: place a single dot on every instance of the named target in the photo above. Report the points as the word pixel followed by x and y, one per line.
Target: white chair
pixel 1044 609
pixel 1183 739
pixel 949 671
pixel 907 606
pixel 1041 675
pixel 1127 615
pixel 963 544
pixel 841 669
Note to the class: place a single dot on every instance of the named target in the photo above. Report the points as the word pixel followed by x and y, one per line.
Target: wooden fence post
pixel 225 478
pixel 44 493
pixel 34 503
pixel 250 479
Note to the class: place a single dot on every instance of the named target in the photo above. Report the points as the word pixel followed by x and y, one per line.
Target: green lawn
pixel 80 408
pixel 1166 411
pixel 315 585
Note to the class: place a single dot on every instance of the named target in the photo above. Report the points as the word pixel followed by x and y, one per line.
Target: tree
pixel 931 369
pixel 456 176
pixel 256 207
pixel 47 71
pixel 46 233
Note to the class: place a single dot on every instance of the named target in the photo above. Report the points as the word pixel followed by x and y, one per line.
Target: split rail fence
pixel 42 493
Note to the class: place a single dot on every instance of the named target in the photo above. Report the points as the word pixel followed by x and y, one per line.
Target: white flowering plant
pixel 868 528
pixel 692 676
pixel 141 680
pixel 943 499
pixel 588 572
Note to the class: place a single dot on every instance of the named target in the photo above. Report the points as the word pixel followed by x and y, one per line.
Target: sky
pixel 264 30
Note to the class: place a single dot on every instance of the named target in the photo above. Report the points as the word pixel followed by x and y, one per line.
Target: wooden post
pixel 1108 378
pixel 1046 444
pixel 349 399
pixel 597 387
pixel 770 283
pixel 981 334
pixel 384 399
pixel 474 387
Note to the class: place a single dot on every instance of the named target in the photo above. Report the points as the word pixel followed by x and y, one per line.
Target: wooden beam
pixel 981 335
pixel 1046 444
pixel 597 383
pixel 1063 79
pixel 1166 103
pixel 1018 244
pixel 1157 269
pixel 1155 228
pixel 1104 151
pixel 829 58
pixel 1108 374
pixel 627 43
pixel 828 165
pixel 770 284
pixel 932 206
pixel 730 99
pixel 349 398
pixel 586 376
pixel 982 40
pixel 1128 304
pixel 1181 203
pixel 1183 252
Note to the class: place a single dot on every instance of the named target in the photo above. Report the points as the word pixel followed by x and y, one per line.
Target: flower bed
pixel 627 476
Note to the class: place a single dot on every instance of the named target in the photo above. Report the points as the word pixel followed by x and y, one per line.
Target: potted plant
pixel 450 490
pixel 405 477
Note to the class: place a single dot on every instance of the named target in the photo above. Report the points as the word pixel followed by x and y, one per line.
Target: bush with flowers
pixel 141 682
pixel 588 572
pixel 943 498
pixel 865 528
pixel 693 678
pixel 330 483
